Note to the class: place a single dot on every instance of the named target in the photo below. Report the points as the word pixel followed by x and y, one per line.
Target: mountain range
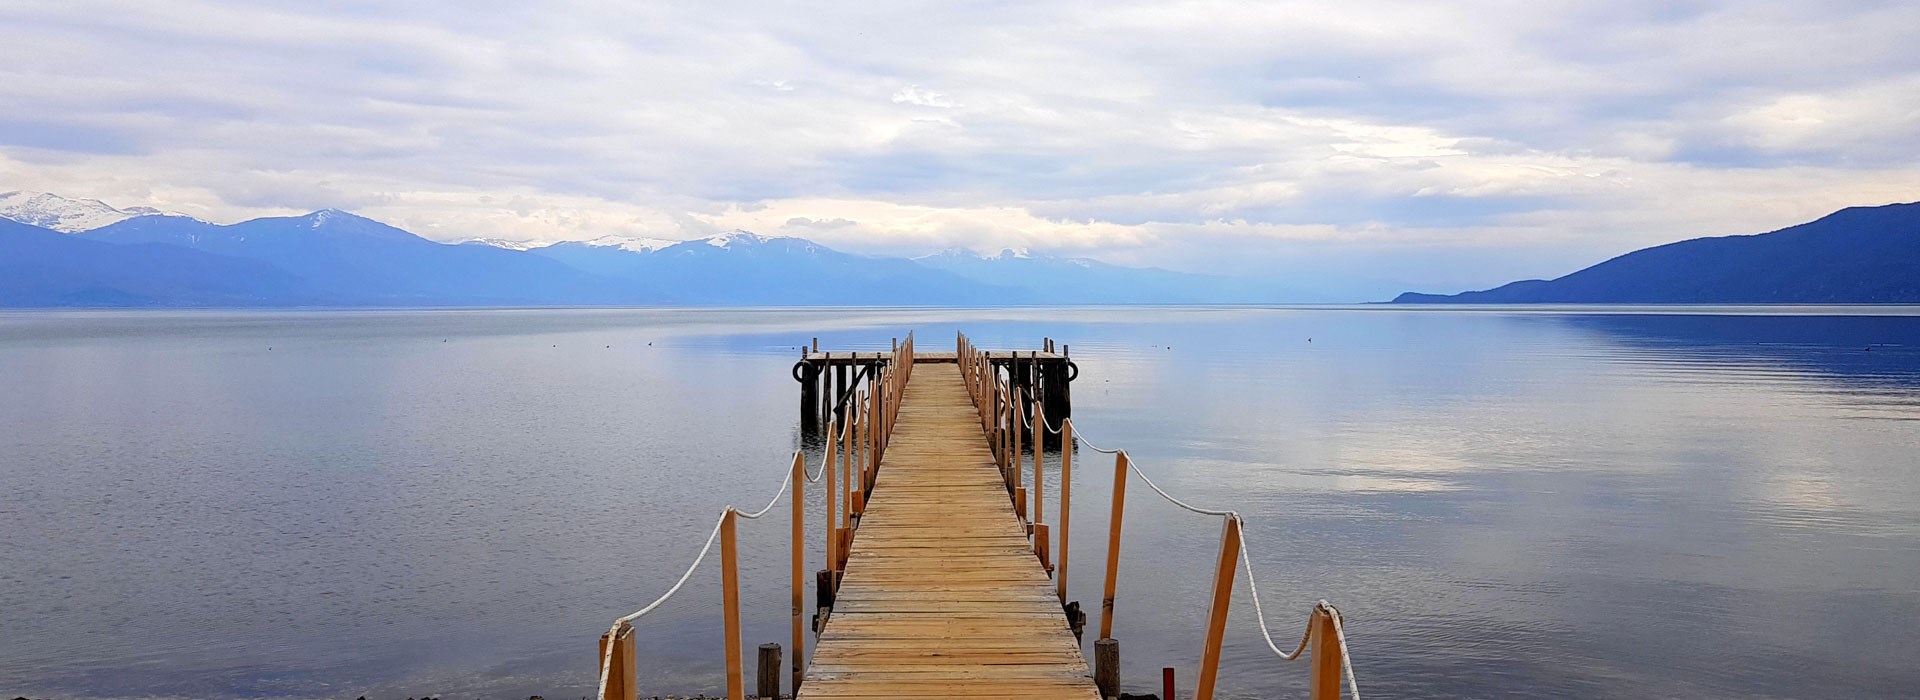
pixel 68 252
pixel 57 252
pixel 1858 255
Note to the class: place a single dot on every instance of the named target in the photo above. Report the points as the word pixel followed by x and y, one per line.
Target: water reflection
pixel 1503 503
pixel 1862 351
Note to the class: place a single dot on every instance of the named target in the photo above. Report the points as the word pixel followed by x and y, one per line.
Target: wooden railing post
pixel 799 561
pixel 1120 467
pixel 1066 505
pixel 1016 416
pixel 1223 574
pixel 873 444
pixel 1041 543
pixel 856 469
pixel 1002 402
pixel 1006 439
pixel 1323 683
pixel 730 604
pixel 1039 458
pixel 621 680
pixel 835 432
pixel 995 436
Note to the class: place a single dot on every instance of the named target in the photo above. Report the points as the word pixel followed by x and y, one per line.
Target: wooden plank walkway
pixel 943 596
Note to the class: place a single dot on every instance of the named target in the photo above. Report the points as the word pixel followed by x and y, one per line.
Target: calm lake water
pixel 1525 503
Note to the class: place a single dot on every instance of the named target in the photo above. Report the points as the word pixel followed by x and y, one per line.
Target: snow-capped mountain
pixel 731 240
pixel 52 211
pixel 742 239
pixel 631 244
pixel 503 243
pixel 747 243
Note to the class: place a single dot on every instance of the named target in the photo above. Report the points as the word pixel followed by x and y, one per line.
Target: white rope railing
pixel 606 660
pixel 1246 556
pixel 814 478
pixel 784 483
pixel 884 392
pixel 1253 590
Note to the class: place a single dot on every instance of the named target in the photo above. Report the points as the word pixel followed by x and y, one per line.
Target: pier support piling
pixel 809 376
pixel 768 685
pixel 1106 667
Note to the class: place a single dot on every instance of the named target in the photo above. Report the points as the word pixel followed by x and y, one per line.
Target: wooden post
pixel 827 397
pixel 1000 432
pixel 730 604
pixel 768 685
pixel 621 679
pixel 837 376
pixel 799 561
pixel 866 441
pixel 809 395
pixel 999 428
pixel 846 548
pixel 822 599
pixel 852 474
pixel 1113 543
pixel 1066 505
pixel 1166 683
pixel 1324 681
pixel 1039 458
pixel 1041 547
pixel 1106 667
pixel 834 433
pixel 873 438
pixel 1223 574
pixel 1016 416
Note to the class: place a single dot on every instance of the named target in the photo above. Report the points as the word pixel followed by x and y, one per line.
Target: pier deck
pixel 942 594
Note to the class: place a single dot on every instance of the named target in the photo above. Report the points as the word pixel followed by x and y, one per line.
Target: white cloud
pixel 914 95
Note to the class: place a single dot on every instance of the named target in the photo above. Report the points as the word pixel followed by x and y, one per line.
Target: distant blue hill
pixel 134 257
pixel 354 260
pixel 1860 255
pixel 42 267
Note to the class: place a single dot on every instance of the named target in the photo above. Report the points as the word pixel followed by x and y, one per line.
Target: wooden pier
pixel 943 577
pixel 942 595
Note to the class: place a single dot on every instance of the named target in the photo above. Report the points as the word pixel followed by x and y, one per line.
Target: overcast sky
pixel 1356 145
